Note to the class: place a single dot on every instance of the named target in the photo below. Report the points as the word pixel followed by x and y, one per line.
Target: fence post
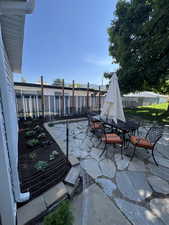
pixel 88 85
pixel 73 96
pixel 99 100
pixel 42 98
pixel 63 98
pixel 67 140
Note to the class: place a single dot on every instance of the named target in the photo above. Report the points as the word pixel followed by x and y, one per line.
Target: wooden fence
pixel 54 106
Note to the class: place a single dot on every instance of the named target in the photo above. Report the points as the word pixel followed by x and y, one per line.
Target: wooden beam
pixel 73 95
pixel 42 98
pixel 99 100
pixel 88 86
pixel 63 97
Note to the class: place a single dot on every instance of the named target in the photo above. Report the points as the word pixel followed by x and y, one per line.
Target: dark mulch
pixel 33 179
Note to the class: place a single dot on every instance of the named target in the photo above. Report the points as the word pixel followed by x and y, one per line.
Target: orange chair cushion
pixel 96 125
pixel 140 142
pixel 112 139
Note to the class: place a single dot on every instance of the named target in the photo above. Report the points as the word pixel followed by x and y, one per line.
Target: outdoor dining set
pixel 123 133
pixel 111 126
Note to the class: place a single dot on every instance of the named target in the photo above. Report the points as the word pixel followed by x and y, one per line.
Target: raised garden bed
pixel 41 162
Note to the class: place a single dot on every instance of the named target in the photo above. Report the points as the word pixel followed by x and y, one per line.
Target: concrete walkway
pixel 41 204
pixel 137 191
pixel 101 210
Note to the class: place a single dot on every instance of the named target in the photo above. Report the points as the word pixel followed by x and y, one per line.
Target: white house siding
pixel 11 127
pixel 7 202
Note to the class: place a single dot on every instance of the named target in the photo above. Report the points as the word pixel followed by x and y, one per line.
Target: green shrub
pixel 61 216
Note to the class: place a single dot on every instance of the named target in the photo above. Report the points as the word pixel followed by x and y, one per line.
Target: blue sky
pixel 68 39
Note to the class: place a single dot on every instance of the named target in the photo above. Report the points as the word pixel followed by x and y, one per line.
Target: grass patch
pixel 61 216
pixel 151 113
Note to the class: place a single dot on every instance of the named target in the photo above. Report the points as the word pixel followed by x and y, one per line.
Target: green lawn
pixel 152 113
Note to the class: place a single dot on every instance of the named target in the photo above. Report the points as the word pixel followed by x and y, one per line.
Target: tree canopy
pixel 139 43
pixel 58 82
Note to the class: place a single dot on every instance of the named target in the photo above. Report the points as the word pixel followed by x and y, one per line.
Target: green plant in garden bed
pixel 53 155
pixel 32 155
pixel 29 133
pixel 33 142
pixel 61 216
pixel 41 165
pixel 42 135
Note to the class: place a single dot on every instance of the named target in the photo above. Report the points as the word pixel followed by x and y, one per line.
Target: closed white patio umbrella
pixel 112 107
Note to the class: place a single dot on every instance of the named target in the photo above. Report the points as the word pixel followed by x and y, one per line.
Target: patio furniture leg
pixel 133 153
pixel 103 150
pixel 100 141
pixel 154 157
pixel 122 151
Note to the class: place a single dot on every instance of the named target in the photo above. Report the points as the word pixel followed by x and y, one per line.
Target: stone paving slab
pixel 121 163
pixel 163 150
pixel 161 208
pixel 137 165
pixel 158 184
pixel 31 210
pixel 73 160
pixel 161 161
pixel 159 171
pixel 73 175
pixel 54 194
pixel 101 210
pixel 107 185
pixel 164 140
pixel 92 168
pixel 142 154
pixel 137 214
pixel 133 185
pixel 95 153
pixel 108 168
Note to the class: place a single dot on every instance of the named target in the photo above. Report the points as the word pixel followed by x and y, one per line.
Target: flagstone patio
pixel 138 189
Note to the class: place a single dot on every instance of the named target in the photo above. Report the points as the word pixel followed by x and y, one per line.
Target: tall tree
pixel 139 43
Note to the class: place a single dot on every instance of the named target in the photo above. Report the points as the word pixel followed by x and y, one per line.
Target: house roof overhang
pixel 12 19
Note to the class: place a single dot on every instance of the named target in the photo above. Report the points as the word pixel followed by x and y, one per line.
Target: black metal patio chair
pixel 149 142
pixel 93 123
pixel 110 138
pixel 127 129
